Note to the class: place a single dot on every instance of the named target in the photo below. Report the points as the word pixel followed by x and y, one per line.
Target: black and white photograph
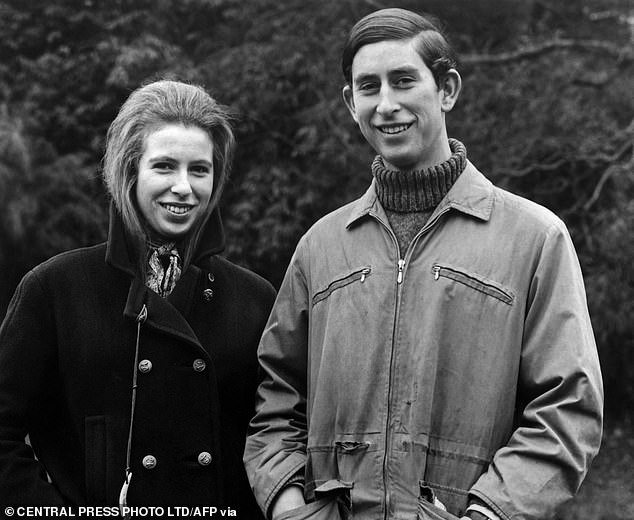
pixel 317 260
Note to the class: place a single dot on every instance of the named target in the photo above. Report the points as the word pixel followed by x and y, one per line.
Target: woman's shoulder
pixel 70 261
pixel 70 270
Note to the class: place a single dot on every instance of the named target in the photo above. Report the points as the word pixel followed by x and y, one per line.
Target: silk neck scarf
pixel 164 269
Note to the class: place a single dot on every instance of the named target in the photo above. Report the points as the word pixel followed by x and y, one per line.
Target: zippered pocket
pixel 358 275
pixel 477 282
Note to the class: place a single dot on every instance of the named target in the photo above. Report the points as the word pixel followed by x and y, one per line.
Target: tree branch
pixel 613 168
pixel 531 51
pixel 532 168
pixel 597 189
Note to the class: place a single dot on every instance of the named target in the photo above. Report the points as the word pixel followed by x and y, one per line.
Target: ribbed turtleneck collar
pixel 419 190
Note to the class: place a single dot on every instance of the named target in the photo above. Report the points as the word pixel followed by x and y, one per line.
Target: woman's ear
pixel 450 86
pixel 348 99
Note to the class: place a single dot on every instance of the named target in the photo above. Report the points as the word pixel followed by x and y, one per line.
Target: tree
pixel 546 112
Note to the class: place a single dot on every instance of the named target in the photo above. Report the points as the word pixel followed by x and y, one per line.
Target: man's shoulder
pixel 342 217
pixel 530 213
pixel 337 217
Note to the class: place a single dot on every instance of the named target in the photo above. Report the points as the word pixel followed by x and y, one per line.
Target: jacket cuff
pixel 294 464
pixel 483 510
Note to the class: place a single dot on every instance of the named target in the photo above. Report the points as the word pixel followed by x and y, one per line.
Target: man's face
pixel 398 106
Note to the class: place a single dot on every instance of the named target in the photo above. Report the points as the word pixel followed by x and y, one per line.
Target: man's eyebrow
pixel 401 69
pixel 405 69
pixel 364 77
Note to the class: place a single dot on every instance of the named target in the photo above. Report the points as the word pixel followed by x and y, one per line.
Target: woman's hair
pixel 148 109
pixel 401 24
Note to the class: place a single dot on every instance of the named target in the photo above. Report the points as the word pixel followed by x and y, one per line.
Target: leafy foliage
pixel 546 111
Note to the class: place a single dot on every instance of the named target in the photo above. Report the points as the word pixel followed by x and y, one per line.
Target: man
pixel 430 353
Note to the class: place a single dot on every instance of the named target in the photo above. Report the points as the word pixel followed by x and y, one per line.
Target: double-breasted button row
pixel 150 462
pixel 208 294
pixel 145 365
pixel 204 458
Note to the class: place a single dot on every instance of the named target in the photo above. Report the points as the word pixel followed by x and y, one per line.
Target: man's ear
pixel 348 99
pixel 450 89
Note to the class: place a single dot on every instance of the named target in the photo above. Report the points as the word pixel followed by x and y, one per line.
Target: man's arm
pixel 275 450
pixel 560 394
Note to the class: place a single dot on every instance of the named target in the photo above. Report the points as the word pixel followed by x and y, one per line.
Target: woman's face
pixel 176 179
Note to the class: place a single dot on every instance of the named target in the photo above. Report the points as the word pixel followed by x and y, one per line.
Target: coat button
pixel 149 462
pixel 199 365
pixel 208 294
pixel 211 277
pixel 145 366
pixel 204 458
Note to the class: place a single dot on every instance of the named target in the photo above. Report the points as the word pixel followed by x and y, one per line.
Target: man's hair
pixel 401 24
pixel 149 108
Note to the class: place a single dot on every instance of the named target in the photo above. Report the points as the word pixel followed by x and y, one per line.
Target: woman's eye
pixel 162 166
pixel 200 170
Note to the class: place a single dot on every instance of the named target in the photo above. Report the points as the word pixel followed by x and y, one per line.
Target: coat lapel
pixel 167 316
pixel 162 315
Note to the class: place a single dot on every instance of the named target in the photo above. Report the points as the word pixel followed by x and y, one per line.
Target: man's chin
pixel 399 162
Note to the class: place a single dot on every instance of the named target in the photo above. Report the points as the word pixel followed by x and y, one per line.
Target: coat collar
pixel 120 249
pixel 166 315
pixel 471 194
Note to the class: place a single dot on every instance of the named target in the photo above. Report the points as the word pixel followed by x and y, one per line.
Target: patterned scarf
pixel 164 269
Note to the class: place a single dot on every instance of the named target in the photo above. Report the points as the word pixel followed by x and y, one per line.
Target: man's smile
pixel 394 128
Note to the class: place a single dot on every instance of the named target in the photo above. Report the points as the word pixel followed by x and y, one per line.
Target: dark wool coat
pixel 67 358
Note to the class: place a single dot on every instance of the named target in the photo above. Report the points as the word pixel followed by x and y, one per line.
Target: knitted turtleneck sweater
pixel 409 198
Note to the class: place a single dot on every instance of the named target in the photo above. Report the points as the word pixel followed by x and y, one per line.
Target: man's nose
pixel 387 101
pixel 181 186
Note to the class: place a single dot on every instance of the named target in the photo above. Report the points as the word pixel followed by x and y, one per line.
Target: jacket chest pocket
pixel 358 275
pixel 474 281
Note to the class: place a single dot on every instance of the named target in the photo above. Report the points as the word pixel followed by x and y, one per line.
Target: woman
pixel 132 364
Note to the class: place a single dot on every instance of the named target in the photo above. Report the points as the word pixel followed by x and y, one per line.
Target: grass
pixel 608 491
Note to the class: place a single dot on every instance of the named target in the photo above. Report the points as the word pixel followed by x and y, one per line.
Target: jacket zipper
pixel 359 274
pixel 498 293
pixel 399 284
pixel 400 267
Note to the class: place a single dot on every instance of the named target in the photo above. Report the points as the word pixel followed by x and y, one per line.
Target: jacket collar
pixel 471 194
pixel 120 249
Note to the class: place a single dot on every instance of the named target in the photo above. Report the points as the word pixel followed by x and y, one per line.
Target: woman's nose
pixel 181 186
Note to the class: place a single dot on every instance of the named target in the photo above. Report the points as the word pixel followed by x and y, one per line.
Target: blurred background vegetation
pixel 547 112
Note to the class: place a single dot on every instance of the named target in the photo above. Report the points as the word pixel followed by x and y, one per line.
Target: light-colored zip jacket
pixel 464 366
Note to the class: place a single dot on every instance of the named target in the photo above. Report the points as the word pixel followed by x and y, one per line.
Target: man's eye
pixel 404 81
pixel 365 87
